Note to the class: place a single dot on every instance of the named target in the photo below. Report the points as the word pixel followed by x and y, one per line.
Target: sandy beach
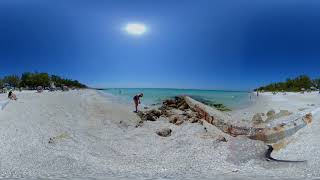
pixel 81 133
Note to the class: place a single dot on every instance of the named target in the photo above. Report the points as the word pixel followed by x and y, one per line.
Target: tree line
pixel 293 85
pixel 33 80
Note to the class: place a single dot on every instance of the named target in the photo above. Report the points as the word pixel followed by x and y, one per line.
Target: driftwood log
pixel 270 134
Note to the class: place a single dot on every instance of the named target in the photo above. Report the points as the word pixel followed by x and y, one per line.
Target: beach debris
pixel 269 158
pixel 221 138
pixel 51 140
pixel 59 137
pixel 165 132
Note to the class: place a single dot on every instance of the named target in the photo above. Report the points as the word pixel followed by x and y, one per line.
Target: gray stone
pixel 165 132
pixel 271 113
pixel 221 139
pixel 257 119
pixel 179 122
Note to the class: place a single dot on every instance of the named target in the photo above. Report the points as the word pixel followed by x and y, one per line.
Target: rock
pixel 284 113
pixel 193 120
pixel 184 106
pixel 140 123
pixel 140 114
pixel 165 132
pixel 149 117
pixel 172 105
pixel 169 102
pixel 146 107
pixel 308 118
pixel 257 119
pixel 179 122
pixel 173 119
pixel 271 113
pixel 221 139
pixel 51 141
pixel 281 114
pixel 155 112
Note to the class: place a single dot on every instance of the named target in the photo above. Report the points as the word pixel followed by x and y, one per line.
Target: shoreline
pixel 91 135
pixel 156 96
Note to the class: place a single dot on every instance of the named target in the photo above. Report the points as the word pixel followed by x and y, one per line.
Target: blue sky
pixel 211 44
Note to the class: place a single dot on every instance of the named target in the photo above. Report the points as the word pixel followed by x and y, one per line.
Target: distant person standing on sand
pixel 136 100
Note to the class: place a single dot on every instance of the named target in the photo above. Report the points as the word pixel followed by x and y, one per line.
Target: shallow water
pixel 232 99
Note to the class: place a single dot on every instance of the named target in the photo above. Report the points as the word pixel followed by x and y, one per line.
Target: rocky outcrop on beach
pixel 270 127
pixel 176 110
pixel 150 115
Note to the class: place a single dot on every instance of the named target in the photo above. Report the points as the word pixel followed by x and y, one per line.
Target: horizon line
pixel 204 89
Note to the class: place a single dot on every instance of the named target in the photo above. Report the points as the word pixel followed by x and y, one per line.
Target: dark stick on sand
pixel 269 158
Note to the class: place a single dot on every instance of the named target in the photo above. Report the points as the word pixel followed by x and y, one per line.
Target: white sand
pixel 89 141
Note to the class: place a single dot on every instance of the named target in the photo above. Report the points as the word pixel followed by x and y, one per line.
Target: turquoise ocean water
pixel 231 99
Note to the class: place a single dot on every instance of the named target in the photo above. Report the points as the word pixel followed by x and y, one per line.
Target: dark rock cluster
pixel 176 110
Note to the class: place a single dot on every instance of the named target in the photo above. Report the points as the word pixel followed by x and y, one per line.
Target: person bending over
pixel 136 100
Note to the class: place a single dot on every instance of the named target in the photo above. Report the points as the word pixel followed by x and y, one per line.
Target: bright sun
pixel 135 29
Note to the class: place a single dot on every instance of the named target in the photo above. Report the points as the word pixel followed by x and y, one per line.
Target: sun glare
pixel 135 29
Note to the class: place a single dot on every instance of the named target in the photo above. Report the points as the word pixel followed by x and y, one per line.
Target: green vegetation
pixel 293 85
pixel 12 80
pixel 33 80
